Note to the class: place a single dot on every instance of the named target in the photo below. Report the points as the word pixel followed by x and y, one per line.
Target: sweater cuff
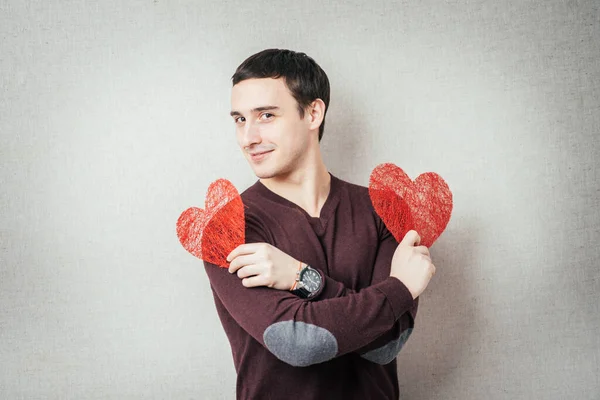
pixel 397 294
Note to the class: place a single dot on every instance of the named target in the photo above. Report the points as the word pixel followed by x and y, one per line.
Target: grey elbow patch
pixel 387 353
pixel 300 344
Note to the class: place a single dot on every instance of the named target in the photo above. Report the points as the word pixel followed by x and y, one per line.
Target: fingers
pixel 249 270
pixel 423 250
pixel 242 249
pixel 411 238
pixel 255 281
pixel 241 261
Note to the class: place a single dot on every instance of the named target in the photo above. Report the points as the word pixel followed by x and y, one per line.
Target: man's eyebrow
pixel 257 109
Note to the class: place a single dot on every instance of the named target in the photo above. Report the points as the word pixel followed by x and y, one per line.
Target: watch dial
pixel 312 280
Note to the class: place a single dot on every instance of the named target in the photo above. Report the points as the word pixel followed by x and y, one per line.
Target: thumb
pixel 411 238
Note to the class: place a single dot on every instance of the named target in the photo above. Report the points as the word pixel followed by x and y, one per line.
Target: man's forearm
pixel 387 346
pixel 301 332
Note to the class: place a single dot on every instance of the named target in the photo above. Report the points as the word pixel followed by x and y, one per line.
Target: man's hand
pixel 411 264
pixel 261 264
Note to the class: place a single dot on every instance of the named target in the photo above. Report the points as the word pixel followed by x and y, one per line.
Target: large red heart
pixel 424 204
pixel 211 234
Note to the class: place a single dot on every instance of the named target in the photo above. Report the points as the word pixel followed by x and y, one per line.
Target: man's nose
pixel 250 134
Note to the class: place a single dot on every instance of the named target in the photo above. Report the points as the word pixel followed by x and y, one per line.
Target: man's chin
pixel 263 174
pixel 263 171
pixel 260 172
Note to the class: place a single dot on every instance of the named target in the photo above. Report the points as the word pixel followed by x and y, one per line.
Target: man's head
pixel 303 77
pixel 279 100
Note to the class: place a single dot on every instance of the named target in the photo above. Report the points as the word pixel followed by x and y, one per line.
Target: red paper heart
pixel 424 204
pixel 211 234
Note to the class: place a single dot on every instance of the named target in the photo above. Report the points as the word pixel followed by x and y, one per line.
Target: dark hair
pixel 302 75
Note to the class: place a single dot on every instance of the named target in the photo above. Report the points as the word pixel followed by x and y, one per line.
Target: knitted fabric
pixel 211 234
pixel 424 204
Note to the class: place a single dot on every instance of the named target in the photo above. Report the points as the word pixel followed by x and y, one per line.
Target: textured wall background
pixel 114 119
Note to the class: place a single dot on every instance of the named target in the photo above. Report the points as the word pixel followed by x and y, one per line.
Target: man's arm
pixel 301 332
pixel 387 246
pixel 386 347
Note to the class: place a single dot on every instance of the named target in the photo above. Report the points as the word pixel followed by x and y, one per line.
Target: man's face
pixel 269 129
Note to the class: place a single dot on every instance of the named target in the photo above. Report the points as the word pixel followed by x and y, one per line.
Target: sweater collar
pixel 327 209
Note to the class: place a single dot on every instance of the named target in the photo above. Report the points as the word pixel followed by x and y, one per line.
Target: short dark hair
pixel 304 78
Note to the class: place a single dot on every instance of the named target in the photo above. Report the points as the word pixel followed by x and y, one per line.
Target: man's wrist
pixel 301 266
pixel 404 284
pixel 309 282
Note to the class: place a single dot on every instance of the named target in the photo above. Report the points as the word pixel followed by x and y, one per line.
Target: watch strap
pixel 302 292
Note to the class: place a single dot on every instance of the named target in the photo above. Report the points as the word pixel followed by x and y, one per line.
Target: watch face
pixel 311 279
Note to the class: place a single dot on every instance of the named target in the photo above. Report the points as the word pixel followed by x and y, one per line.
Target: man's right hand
pixel 412 265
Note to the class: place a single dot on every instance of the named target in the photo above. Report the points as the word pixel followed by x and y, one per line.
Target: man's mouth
pixel 259 156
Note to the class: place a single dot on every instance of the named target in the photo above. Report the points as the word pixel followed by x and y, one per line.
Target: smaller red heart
pixel 424 205
pixel 211 234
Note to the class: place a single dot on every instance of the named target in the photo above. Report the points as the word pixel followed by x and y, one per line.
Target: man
pixel 321 298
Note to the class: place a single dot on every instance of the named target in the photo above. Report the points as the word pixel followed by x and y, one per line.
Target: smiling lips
pixel 259 156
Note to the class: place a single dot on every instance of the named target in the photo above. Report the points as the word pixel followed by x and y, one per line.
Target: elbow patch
pixel 387 353
pixel 300 344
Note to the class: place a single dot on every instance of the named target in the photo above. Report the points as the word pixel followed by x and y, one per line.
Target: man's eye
pixel 266 116
pixel 238 119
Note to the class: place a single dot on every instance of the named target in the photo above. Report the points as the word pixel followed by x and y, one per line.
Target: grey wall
pixel 114 119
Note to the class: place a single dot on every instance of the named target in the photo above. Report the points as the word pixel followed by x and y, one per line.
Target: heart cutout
pixel 424 204
pixel 211 234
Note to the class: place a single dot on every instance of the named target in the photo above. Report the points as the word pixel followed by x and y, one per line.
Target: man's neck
pixel 308 188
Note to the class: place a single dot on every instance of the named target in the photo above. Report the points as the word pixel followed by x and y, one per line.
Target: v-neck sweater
pixel 317 223
pixel 340 344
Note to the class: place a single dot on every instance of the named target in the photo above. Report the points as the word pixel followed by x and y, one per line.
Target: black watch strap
pixel 301 292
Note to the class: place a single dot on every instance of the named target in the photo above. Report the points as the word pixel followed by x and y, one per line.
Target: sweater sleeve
pixel 333 288
pixel 386 347
pixel 301 332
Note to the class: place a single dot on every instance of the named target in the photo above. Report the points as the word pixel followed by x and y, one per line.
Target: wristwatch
pixel 308 282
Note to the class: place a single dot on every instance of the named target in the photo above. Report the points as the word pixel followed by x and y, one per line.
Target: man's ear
pixel 316 113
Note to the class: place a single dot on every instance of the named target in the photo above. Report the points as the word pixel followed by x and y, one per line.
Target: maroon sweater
pixel 340 344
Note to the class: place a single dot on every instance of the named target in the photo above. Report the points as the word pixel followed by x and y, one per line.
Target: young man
pixel 321 298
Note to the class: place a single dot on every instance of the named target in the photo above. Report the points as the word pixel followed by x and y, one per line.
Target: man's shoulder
pixel 254 195
pixel 261 207
pixel 355 192
pixel 249 193
pixel 361 204
pixel 354 187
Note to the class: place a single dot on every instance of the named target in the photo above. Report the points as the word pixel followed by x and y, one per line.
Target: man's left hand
pixel 261 264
